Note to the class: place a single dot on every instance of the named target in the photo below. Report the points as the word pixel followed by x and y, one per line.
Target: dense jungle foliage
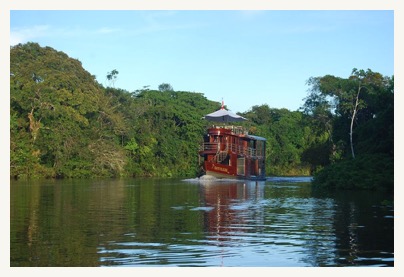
pixel 64 124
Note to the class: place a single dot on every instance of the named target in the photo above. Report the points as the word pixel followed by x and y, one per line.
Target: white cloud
pixel 22 35
pixel 25 34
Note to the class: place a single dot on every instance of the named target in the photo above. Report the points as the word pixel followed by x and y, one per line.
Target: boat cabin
pixel 230 152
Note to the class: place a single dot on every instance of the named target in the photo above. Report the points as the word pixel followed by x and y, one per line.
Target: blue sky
pixel 245 57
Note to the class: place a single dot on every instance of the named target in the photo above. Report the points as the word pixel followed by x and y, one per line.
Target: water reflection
pixel 229 204
pixel 270 222
pixel 146 222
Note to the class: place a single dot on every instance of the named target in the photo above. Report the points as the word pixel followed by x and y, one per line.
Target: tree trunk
pixel 355 110
pixel 34 125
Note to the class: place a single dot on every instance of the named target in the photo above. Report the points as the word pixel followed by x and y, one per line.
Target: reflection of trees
pixel 79 223
pixel 161 211
pixel 62 223
pixel 287 220
pixel 317 230
pixel 365 235
pixel 23 222
pixel 347 229
pixel 302 222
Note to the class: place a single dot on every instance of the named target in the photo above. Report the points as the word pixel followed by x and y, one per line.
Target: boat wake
pixel 206 179
pixel 297 179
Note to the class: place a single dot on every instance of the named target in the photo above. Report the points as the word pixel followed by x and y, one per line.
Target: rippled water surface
pixel 282 222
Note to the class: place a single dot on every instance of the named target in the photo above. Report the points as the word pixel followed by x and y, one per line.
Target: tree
pixel 60 111
pixel 112 76
pixel 358 75
pixel 348 94
pixel 320 110
pixel 362 107
pixel 165 87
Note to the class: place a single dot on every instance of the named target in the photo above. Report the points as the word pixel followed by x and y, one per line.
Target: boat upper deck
pixel 232 130
pixel 228 129
pixel 234 139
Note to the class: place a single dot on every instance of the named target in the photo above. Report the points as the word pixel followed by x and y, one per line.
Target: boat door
pixel 241 166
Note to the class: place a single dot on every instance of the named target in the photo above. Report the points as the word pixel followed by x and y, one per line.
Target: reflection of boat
pixel 228 151
pixel 231 203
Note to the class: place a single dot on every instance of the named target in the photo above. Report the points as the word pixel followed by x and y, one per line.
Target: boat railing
pixel 247 151
pixel 235 148
pixel 238 130
pixel 209 146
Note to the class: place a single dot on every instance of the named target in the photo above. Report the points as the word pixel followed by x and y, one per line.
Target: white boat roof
pixel 257 137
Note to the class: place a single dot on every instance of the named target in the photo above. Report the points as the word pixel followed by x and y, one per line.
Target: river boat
pixel 228 151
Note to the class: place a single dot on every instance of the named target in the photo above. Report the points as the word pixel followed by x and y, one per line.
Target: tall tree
pixel 362 126
pixel 345 96
pixel 112 77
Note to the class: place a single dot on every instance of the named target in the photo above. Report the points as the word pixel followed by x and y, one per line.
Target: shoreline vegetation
pixel 64 124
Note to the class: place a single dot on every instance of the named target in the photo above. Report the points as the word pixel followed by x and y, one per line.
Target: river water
pixel 281 222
